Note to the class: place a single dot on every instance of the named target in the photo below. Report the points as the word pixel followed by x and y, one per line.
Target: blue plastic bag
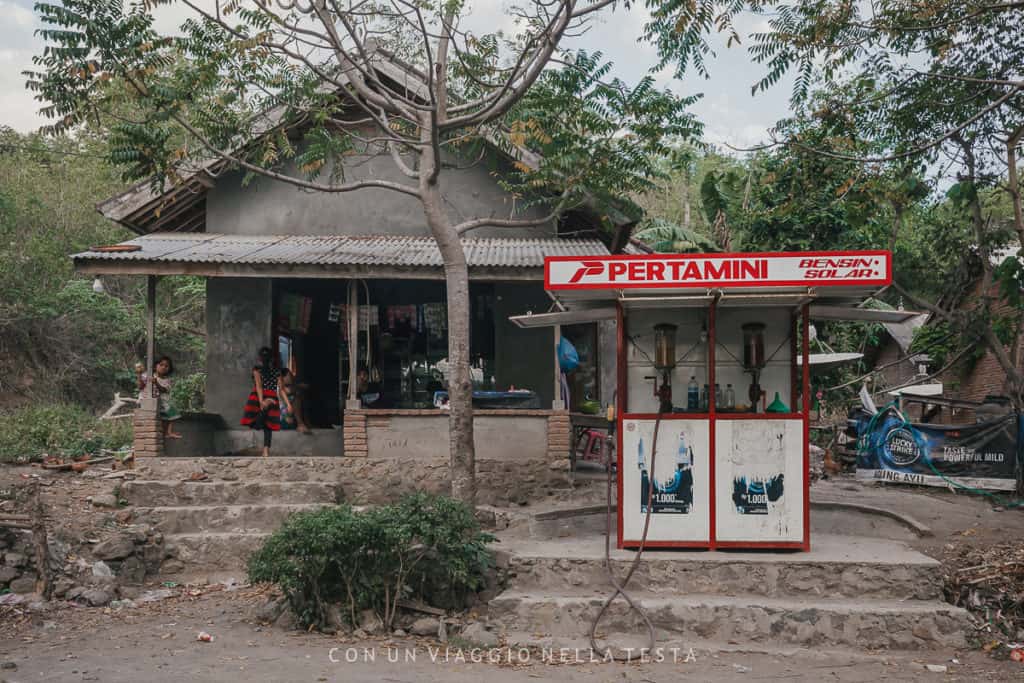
pixel 568 359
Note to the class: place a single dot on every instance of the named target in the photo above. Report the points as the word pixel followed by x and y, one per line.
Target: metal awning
pixel 824 312
pixel 372 256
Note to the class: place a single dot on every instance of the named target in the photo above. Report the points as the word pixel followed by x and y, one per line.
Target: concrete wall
pixel 496 438
pixel 268 207
pixel 238 323
pixel 525 358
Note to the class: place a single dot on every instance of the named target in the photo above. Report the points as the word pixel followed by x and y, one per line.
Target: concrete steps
pixel 220 518
pixel 838 567
pixel 526 617
pixel 211 526
pixel 170 492
pixel 210 553
pixel 848 591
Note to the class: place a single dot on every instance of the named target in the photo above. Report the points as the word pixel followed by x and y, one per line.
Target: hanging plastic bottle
pixel 705 397
pixel 729 403
pixel 692 395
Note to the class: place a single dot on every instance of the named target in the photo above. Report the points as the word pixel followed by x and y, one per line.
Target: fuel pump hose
pixel 620 588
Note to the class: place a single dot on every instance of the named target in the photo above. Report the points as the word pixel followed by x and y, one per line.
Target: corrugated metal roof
pixel 374 250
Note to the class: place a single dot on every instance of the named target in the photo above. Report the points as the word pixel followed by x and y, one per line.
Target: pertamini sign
pixel 667 271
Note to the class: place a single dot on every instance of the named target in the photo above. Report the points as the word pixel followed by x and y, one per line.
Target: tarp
pixel 985 455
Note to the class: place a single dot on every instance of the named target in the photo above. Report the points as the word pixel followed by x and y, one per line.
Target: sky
pixel 731 115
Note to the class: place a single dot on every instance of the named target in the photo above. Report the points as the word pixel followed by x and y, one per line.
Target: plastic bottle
pixel 692 395
pixel 718 395
pixel 704 397
pixel 684 456
pixel 730 397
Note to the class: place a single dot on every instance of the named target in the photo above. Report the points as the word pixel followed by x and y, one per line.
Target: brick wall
pixel 986 376
pixel 148 434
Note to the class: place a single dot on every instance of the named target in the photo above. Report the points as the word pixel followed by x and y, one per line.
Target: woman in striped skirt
pixel 263 407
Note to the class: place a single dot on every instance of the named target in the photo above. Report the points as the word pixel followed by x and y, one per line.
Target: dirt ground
pixel 157 642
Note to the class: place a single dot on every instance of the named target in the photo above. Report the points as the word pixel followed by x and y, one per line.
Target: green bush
pixel 188 393
pixel 66 430
pixel 425 547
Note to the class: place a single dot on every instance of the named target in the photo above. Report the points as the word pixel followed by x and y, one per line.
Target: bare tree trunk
pixel 462 457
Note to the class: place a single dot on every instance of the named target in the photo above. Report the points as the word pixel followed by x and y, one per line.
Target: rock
pixel 286 621
pixel 477 634
pixel 399 633
pixel 9 666
pixel 336 618
pixel 119 604
pixel 75 593
pixel 14 559
pixel 95 597
pixel 172 567
pixel 132 571
pixel 563 465
pixel 936 668
pixel 102 569
pixel 163 594
pixel 123 516
pixel 57 551
pixel 129 592
pixel 502 558
pixel 116 547
pixel 425 626
pixel 359 634
pixel 61 587
pixel 104 500
pixel 8 574
pixel 24 585
pixel 369 622
pixel 269 611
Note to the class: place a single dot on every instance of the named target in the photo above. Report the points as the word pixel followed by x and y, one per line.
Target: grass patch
pixel 62 429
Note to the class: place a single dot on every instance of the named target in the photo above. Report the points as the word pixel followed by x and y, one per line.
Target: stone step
pixel 248 468
pixel 220 518
pixel 836 567
pixel 832 622
pixel 218 552
pixel 171 492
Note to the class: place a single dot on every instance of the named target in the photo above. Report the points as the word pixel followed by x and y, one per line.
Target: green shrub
pixel 424 547
pixel 67 430
pixel 188 393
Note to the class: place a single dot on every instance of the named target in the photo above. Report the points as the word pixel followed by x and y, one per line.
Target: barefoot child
pixel 162 371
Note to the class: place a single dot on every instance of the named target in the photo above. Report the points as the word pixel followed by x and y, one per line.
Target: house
pixel 332 282
pixel 984 377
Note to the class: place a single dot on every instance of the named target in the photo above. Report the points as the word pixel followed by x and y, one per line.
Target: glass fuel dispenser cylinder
pixel 664 346
pixel 753 346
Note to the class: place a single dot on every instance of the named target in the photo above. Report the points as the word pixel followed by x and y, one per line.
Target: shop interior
pixel 403 346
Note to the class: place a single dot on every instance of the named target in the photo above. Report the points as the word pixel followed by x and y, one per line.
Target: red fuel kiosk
pixel 714 349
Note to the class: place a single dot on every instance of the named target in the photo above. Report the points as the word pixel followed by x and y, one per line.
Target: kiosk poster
pixel 984 455
pixel 758 482
pixel 675 486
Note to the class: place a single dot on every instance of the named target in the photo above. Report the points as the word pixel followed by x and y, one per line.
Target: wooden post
pixel 558 403
pixel 44 586
pixel 352 401
pixel 149 398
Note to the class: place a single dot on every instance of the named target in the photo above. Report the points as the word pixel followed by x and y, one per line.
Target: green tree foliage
pixel 63 342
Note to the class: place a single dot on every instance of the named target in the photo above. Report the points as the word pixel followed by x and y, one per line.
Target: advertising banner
pixel 669 271
pixel 984 455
